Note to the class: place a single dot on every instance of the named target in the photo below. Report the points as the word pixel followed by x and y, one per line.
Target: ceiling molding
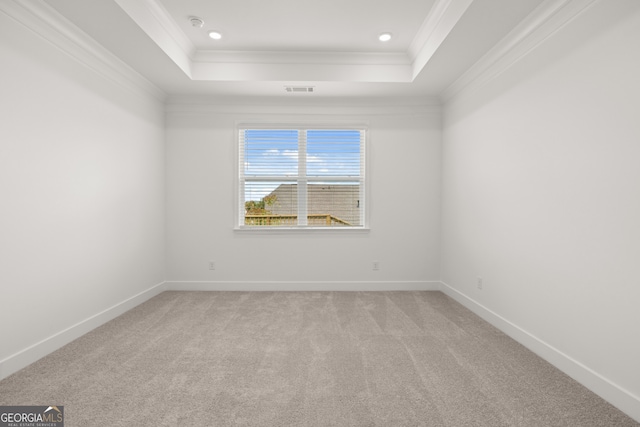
pixel 205 105
pixel 301 72
pixel 214 65
pixel 549 18
pixel 158 24
pixel 289 57
pixel 55 29
pixel 442 18
pixel 301 66
pixel 164 18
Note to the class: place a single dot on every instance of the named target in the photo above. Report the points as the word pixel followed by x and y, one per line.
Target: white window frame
pixel 302 192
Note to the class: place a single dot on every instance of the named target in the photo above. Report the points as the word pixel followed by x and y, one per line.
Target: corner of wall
pixel 614 394
pixel 38 350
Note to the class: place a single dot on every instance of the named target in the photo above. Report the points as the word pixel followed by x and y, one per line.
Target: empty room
pixel 320 213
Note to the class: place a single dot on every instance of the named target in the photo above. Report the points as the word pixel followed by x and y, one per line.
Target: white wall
pixel 82 196
pixel 541 198
pixel 404 170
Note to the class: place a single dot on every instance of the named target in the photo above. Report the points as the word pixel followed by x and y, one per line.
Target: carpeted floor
pixel 304 359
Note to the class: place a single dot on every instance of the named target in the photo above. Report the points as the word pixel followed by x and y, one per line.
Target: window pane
pixel 269 152
pixel 333 204
pixel 271 203
pixel 298 178
pixel 333 153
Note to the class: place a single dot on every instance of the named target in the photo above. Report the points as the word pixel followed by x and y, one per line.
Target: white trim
pixel 40 349
pixel 233 65
pixel 616 395
pixel 154 19
pixel 442 18
pixel 206 64
pixel 609 391
pixel 303 125
pixel 547 19
pixel 46 22
pixel 290 286
pixel 257 229
pixel 300 179
pixel 338 109
pixel 166 21
pixel 304 72
pixel 301 57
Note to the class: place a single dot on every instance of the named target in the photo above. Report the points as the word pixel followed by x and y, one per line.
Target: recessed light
pixel 196 22
pixel 384 37
pixel 215 35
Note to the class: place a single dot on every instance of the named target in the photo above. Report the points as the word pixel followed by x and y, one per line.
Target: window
pixel 301 178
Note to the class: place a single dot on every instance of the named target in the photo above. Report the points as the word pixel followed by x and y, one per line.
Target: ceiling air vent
pixel 299 89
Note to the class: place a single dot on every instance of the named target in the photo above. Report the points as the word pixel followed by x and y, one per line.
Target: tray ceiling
pixel 332 45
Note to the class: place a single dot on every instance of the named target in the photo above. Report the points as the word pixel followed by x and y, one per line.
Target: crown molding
pixel 158 24
pixel 207 105
pixel 302 72
pixel 46 22
pixel 213 65
pixel 442 18
pixel 301 66
pixel 163 17
pixel 547 19
pixel 290 57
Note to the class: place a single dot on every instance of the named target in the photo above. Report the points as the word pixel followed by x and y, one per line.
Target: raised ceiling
pixel 330 44
pixel 300 25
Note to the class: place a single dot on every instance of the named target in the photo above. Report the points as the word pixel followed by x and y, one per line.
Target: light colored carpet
pixel 304 359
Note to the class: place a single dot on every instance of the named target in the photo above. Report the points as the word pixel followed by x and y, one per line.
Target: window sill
pixel 301 230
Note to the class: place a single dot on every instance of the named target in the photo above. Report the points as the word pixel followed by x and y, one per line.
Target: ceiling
pixel 330 45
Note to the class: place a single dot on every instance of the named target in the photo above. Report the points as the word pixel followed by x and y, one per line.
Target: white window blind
pixel 301 178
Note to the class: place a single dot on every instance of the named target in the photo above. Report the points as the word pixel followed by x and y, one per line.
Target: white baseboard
pixel 37 351
pixel 614 394
pixel 609 391
pixel 302 286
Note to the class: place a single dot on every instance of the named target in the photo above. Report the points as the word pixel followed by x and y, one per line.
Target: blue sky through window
pixel 333 153
pixel 270 152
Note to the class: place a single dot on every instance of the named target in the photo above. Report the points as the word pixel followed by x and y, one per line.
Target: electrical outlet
pixel 212 265
pixel 479 283
pixel 376 265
